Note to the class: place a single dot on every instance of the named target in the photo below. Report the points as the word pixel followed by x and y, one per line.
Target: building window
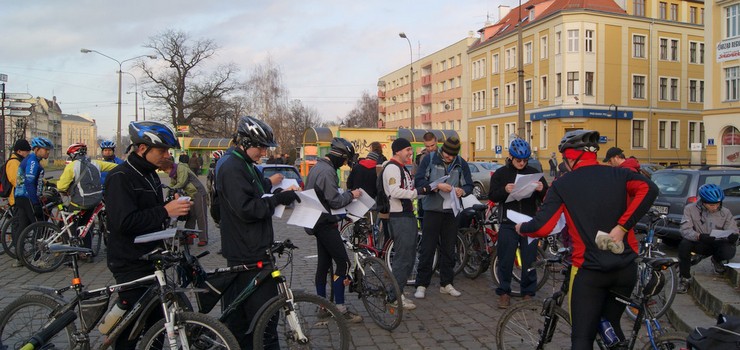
pixel 573 40
pixel 558 85
pixel 480 138
pixel 663 8
pixel 543 87
pixel 693 52
pixel 732 83
pixel 510 130
pixel 695 93
pixel 674 89
pixel 528 91
pixel 479 68
pixel 638 87
pixel 732 21
pixel 528 130
pixel 479 100
pixel 663 89
pixel 692 14
pixel 558 43
pixel 528 53
pixel 674 12
pixel 589 43
pixel 588 88
pixel 663 49
pixel 701 53
pixel 668 134
pixel 572 87
pixel 638 133
pixel 543 133
pixel 674 49
pixel 494 64
pixel 511 95
pixel 638 46
pixel 543 47
pixel 494 136
pixel 510 58
pixel 639 7
pixel 495 97
pixel 696 133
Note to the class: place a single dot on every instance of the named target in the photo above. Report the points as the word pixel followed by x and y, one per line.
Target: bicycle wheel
pixel 33 247
pixel 520 327
pixel 661 302
pixel 97 239
pixel 378 288
pixel 27 315
pixel 543 274
pixel 461 255
pixel 193 330
pixel 7 230
pixel 322 324
pixel 472 268
pixel 669 341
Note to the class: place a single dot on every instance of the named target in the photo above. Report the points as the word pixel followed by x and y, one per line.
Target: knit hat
pixel 373 156
pixel 400 144
pixel 451 146
pixel 21 145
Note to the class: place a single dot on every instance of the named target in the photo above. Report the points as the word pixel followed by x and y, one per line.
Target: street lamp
pixel 120 71
pixel 411 68
pixel 136 96
pixel 616 125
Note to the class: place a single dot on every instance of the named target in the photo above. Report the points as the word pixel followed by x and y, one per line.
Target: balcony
pixel 426 99
pixel 381 109
pixel 426 80
pixel 426 117
pixel 381 94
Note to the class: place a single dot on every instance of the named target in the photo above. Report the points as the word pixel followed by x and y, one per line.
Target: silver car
pixel 481 173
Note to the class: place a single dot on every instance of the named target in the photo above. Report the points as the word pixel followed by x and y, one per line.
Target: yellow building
pixel 722 69
pixel 76 129
pixel 633 70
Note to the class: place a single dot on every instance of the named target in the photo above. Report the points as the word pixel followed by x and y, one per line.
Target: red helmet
pixel 217 154
pixel 77 149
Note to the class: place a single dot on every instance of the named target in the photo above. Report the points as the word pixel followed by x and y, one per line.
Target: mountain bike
pixel 7 214
pixel 521 326
pixel 179 328
pixel 34 242
pixel 302 319
pixel 49 202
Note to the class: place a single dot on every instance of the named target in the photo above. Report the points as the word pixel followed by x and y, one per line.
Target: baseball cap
pixel 614 151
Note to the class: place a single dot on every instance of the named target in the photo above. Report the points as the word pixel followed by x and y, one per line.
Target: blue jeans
pixel 403 232
pixel 508 242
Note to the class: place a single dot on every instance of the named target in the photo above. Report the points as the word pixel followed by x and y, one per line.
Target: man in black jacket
pixel 364 175
pixel 135 206
pixel 502 184
pixel 246 221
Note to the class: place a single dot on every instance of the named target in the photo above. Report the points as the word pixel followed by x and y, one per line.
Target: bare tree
pixel 365 113
pixel 191 95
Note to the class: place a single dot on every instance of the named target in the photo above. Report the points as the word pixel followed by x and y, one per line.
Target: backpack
pixel 382 201
pixel 5 186
pixel 86 191
pixel 725 335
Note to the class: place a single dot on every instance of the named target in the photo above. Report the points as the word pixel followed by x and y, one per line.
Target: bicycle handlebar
pixel 50 330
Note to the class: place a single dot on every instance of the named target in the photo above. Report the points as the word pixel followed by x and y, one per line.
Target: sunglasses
pixel 519 160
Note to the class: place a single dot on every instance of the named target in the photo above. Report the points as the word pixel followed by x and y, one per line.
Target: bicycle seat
pixel 660 263
pixel 479 207
pixel 68 249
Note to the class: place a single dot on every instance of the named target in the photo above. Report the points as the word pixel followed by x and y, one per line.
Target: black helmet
pixel 581 140
pixel 153 134
pixel 254 133
pixel 341 148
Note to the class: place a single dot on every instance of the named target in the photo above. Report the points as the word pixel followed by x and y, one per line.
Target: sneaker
pixel 504 301
pixel 421 292
pixel 407 303
pixel 16 263
pixel 352 317
pixel 683 285
pixel 719 267
pixel 449 289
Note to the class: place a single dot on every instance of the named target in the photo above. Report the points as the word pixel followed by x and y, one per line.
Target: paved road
pixel 439 322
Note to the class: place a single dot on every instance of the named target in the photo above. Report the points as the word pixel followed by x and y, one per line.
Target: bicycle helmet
pixel 107 144
pixel 711 193
pixel 342 148
pixel 580 140
pixel 254 133
pixel 519 149
pixel 152 134
pixel 217 154
pixel 41 142
pixel 76 150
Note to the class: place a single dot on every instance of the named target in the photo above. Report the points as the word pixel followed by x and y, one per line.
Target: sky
pixel 329 51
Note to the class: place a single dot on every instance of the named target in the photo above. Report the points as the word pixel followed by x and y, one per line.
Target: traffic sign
pixel 17 96
pixel 499 149
pixel 15 104
pixel 17 112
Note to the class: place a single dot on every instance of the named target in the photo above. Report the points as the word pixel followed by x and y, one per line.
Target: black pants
pixel 27 214
pixel 330 247
pixel 239 321
pixel 439 229
pixel 719 249
pixel 82 219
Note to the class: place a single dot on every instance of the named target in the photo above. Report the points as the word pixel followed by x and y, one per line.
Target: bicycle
pixel 19 320
pixel 34 242
pixel 303 320
pixel 520 327
pixel 7 214
pixel 49 201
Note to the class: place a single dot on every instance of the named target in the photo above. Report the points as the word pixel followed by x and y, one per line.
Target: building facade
pixel 722 71
pixel 634 70
pixel 45 120
pixel 76 129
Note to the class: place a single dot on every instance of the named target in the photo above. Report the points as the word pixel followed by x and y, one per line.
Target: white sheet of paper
pixel 455 202
pixel 307 212
pixel 340 211
pixel 469 201
pixel 286 183
pixel 524 186
pixel 361 205
pixel 156 236
pixel 559 226
pixel 279 210
pixel 446 202
pixel 519 218
pixel 720 233
pixel 310 199
pixel 436 182
pixel 733 265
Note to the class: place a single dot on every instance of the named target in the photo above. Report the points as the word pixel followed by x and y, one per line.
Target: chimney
pixel 503 10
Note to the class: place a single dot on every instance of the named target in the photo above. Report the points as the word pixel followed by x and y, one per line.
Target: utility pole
pixel 520 73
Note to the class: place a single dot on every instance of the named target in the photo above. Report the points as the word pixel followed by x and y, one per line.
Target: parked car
pixel 648 169
pixel 481 173
pixel 678 188
pixel 289 171
pixel 535 163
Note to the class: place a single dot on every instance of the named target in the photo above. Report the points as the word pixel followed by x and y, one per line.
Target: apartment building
pixel 76 129
pixel 45 120
pixel 634 70
pixel 722 71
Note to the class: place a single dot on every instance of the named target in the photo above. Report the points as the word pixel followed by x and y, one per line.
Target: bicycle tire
pixel 669 341
pixel 661 302
pixel 461 255
pixel 27 315
pixel 520 327
pixel 543 274
pixel 376 285
pixel 33 247
pixel 412 277
pixel 97 240
pixel 323 331
pixel 203 330
pixel 7 231
pixel 476 253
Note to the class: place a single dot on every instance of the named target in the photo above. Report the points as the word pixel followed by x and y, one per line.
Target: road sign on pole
pixel 15 104
pixel 17 112
pixel 17 96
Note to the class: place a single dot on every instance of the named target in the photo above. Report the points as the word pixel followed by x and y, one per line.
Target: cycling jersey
pixel 30 179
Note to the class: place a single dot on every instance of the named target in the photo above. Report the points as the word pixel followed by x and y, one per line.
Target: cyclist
pixel 615 157
pixel 594 198
pixel 135 206
pixel 108 150
pixel 699 220
pixel 246 220
pixel 28 187
pixel 215 156
pixel 502 185
pixel 184 178
pixel 323 178
pixel 21 149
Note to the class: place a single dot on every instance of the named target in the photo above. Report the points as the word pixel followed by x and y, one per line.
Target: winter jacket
pixel 185 179
pixel 11 171
pixel 631 164
pixel 399 186
pixel 103 174
pixel 432 168
pixel 29 183
pixel 364 176
pixel 71 172
pixel 323 179
pixel 135 206
pixel 697 220
pixel 497 192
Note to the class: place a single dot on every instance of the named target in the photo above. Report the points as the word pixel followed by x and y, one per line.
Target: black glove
pixel 706 238
pixel 285 197
pixel 732 238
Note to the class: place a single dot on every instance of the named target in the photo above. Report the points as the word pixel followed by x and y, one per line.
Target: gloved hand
pixel 706 238
pixel 732 238
pixel 285 197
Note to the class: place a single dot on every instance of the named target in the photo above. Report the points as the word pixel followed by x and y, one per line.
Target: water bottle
pixel 607 332
pixel 111 319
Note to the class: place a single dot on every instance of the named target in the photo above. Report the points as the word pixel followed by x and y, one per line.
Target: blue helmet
pixel 107 144
pixel 152 134
pixel 711 193
pixel 41 142
pixel 519 149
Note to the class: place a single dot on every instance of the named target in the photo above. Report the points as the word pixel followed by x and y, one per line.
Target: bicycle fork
pixel 290 312
pixel 169 317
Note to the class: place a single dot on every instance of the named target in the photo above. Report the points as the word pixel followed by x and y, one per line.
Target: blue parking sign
pixel 602 139
pixel 499 149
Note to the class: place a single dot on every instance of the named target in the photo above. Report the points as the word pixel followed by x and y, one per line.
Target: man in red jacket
pixel 615 157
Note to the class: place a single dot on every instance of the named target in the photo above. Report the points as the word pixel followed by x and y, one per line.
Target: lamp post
pixel 136 96
pixel 411 68
pixel 120 73
pixel 143 105
pixel 616 124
